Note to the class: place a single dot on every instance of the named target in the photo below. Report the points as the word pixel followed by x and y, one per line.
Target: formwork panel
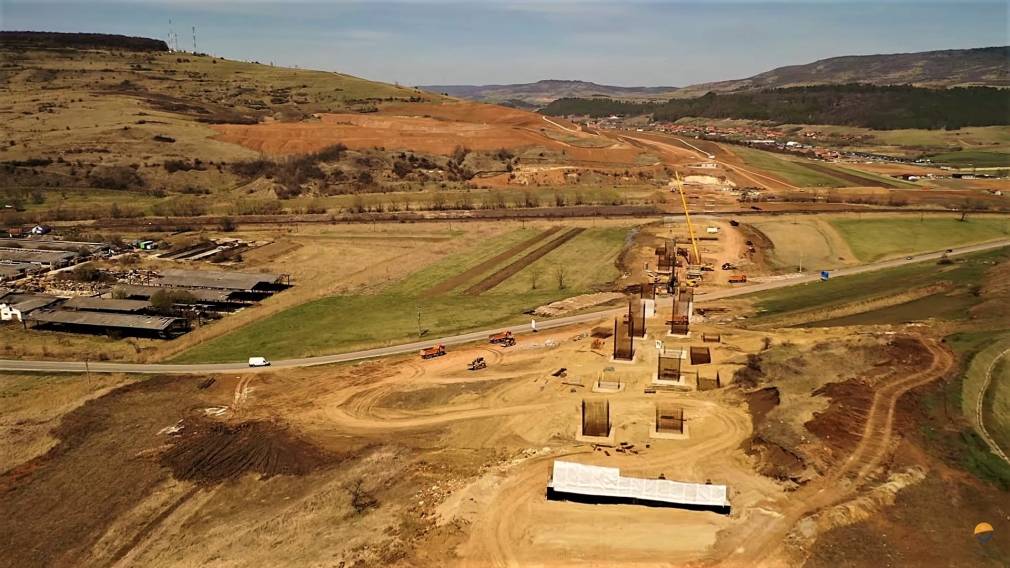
pixel 700 356
pixel 709 383
pixel 669 419
pixel 624 343
pixel 596 418
pixel 668 368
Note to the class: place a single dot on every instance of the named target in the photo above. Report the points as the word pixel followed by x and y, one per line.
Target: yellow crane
pixel 687 215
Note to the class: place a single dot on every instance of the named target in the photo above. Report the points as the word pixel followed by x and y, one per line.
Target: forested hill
pixel 983 66
pixel 882 108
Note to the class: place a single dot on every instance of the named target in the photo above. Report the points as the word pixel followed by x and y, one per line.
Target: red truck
pixel 432 352
pixel 503 338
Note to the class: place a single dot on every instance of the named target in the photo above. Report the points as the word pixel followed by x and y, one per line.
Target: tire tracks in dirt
pixel 761 542
pixel 150 526
pixel 493 536
pixel 979 410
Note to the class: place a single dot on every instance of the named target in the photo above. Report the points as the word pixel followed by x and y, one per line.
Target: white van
pixel 258 362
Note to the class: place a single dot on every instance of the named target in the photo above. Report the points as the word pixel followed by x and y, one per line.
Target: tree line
pixel 868 106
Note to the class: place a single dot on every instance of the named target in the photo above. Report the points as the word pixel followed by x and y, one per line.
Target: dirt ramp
pixel 212 452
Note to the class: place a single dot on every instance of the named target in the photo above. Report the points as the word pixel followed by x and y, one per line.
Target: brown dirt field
pixel 211 452
pixel 507 272
pixel 409 462
pixel 905 532
pixel 423 127
pixel 460 279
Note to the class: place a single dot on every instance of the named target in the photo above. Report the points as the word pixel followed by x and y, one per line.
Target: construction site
pixel 709 427
pixel 255 315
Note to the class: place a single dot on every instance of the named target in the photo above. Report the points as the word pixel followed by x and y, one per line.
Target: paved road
pixel 101 367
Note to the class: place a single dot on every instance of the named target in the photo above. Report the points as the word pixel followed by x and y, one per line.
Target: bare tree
pixel 534 276
pixel 559 274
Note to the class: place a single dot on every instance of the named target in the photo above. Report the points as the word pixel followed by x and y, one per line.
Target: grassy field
pixel 972 158
pixel 983 349
pixel 803 240
pixel 997 404
pixel 839 291
pixel 976 351
pixel 31 405
pixel 142 109
pixel 785 169
pixel 346 322
pixel 876 238
pixel 871 179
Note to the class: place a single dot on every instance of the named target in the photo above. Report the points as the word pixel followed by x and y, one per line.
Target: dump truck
pixel 432 352
pixel 503 338
pixel 477 364
pixel 738 279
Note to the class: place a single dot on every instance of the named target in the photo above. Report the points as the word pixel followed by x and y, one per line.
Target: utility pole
pixel 194 40
pixel 87 369
pixel 419 321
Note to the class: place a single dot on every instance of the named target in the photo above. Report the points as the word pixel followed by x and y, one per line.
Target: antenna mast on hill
pixel 194 40
pixel 170 33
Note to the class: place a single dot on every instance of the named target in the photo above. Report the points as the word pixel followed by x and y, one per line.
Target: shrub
pixel 115 177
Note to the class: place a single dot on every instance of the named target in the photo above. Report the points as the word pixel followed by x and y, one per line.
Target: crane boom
pixel 687 215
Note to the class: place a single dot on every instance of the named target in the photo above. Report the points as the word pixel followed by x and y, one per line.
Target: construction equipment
pixel 738 279
pixel 687 216
pixel 432 352
pixel 728 266
pixel 504 338
pixel 477 364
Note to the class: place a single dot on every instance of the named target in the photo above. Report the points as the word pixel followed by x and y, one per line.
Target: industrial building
pixel 79 247
pixel 207 298
pixel 91 304
pixel 14 306
pixel 16 270
pixel 48 259
pixel 83 321
pixel 250 286
pixel 130 310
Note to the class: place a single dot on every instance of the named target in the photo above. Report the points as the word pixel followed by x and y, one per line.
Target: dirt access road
pixel 98 367
pixel 762 541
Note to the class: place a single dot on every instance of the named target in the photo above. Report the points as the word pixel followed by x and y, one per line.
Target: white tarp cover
pixel 581 479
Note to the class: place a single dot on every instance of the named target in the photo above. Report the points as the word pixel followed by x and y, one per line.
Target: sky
pixel 629 43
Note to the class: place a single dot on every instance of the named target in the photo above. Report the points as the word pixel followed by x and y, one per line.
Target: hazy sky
pixel 624 43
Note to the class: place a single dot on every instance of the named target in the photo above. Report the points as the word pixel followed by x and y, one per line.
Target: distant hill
pixel 543 92
pixel 54 40
pixel 986 66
